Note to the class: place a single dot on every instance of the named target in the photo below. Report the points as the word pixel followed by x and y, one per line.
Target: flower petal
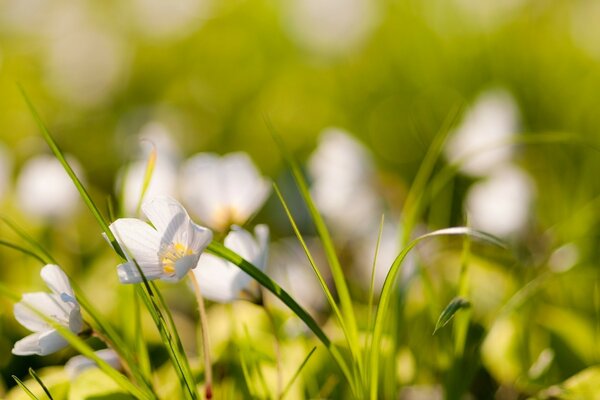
pixel 50 342
pixel 201 186
pixel 28 346
pixel 47 304
pixel 57 280
pixel 138 239
pixel 128 272
pixel 218 280
pixel 76 365
pixel 169 218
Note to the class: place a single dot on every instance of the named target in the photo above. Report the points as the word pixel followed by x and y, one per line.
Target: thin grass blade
pixel 24 387
pixel 35 376
pixel 296 374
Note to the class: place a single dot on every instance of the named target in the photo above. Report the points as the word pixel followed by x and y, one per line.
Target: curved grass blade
pixel 35 376
pixel 24 387
pixel 452 308
pixel 315 269
pixel 388 287
pixel 337 273
pixel 223 252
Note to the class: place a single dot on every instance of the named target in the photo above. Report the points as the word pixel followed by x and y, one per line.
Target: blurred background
pixel 365 84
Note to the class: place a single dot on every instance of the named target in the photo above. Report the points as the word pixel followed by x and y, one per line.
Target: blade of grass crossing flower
pixel 25 388
pixel 336 269
pixel 35 376
pixel 80 345
pixel 296 374
pixel 223 252
pixel 315 269
pixel 388 288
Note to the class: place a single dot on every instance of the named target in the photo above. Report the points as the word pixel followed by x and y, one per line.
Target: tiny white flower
pixel 500 204
pixel 222 281
pixel 60 305
pixel 167 251
pixel 223 191
pixel 76 365
pixel 44 190
pixel 342 174
pixel 480 143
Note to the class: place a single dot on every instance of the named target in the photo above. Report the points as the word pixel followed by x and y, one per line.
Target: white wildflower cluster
pixel 483 147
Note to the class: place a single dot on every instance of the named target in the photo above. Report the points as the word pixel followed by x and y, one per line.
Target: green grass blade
pixel 35 376
pixel 223 252
pixel 67 167
pixel 388 288
pixel 312 263
pixel 455 305
pixel 296 374
pixel 80 345
pixel 22 249
pixel 337 273
pixel 48 259
pixel 24 387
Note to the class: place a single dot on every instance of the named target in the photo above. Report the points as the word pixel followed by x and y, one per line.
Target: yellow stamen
pixel 170 254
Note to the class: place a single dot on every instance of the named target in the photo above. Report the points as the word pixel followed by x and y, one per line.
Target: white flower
pixel 60 305
pixel 76 365
pixel 222 281
pixel 167 251
pixel 223 191
pixel 481 141
pixel 500 204
pixel 331 27
pixel 44 190
pixel 342 172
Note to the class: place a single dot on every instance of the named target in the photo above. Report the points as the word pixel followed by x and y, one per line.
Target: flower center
pixel 170 254
pixel 226 216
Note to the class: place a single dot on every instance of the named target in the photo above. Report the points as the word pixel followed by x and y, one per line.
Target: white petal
pixel 29 319
pixel 183 265
pixel 28 346
pixel 245 189
pixel 262 237
pixel 47 304
pixel 199 238
pixel 138 239
pixel 242 242
pixel 201 186
pixel 218 280
pixel 56 280
pixel 76 365
pixel 128 272
pixel 50 342
pixel 169 218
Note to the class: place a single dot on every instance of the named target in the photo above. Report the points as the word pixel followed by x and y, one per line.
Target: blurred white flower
pixel 342 183
pixel 24 16
pixel 564 258
pixel 167 251
pixel 500 204
pixel 480 143
pixel 44 190
pixel 60 305
pixel 6 164
pixel 84 63
pixel 224 282
pixel 76 365
pixel 488 14
pixel 331 27
pixel 223 191
pixel 157 144
pixel 289 267
pixel 158 19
